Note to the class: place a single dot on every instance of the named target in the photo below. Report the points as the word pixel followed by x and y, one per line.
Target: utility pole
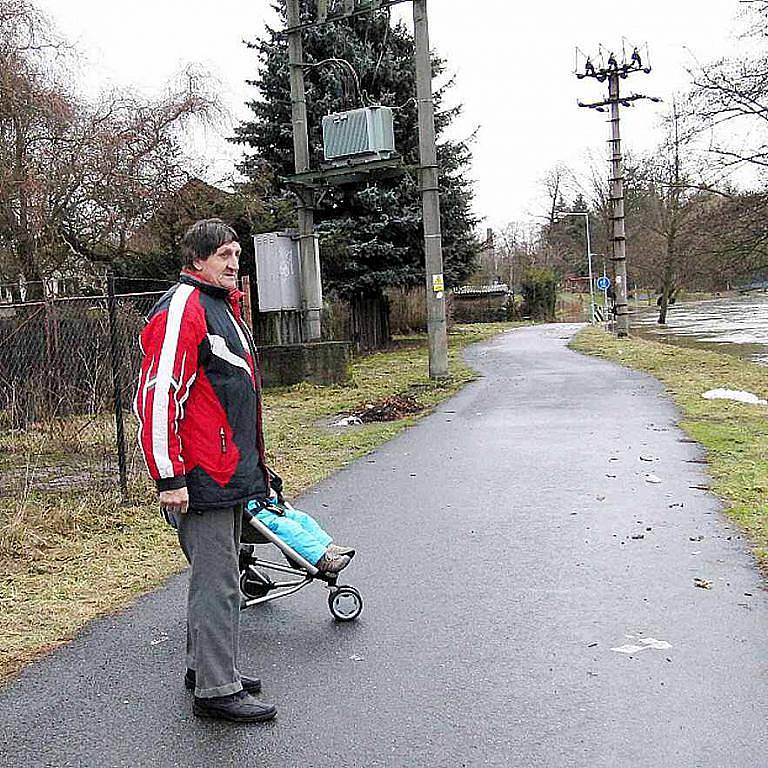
pixel 310 276
pixel 619 235
pixel 433 251
pixel 612 72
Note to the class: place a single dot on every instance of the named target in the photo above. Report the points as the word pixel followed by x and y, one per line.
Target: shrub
pixel 539 288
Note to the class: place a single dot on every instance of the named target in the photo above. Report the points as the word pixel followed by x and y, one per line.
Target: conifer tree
pixel 371 234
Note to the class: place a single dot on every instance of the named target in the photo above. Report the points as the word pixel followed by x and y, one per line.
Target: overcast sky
pixel 513 68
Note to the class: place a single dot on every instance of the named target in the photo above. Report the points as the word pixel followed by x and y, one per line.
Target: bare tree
pixel 517 245
pixel 730 238
pixel 731 96
pixel 554 184
pixel 684 199
pixel 33 111
pixel 75 177
pixel 670 202
pixel 126 163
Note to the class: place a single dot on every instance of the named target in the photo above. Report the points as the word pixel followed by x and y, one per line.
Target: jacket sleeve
pixel 169 344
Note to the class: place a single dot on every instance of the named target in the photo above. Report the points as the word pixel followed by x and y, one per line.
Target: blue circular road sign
pixel 603 283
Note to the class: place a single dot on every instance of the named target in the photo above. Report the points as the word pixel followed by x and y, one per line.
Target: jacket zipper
pixel 223 437
pixel 260 447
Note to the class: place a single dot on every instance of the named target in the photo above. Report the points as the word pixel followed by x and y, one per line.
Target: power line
pixel 352 8
pixel 344 65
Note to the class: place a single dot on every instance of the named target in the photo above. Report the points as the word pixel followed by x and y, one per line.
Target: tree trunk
pixel 663 307
pixel 671 270
pixel 667 294
pixel 25 240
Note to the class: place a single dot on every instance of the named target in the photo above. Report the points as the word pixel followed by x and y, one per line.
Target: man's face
pixel 220 268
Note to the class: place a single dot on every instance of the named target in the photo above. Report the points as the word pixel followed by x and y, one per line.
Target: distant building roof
pixel 497 289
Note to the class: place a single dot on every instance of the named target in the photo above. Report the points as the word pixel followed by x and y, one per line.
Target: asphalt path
pixel 509 544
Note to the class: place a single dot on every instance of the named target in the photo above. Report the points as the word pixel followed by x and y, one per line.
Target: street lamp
pixel 589 259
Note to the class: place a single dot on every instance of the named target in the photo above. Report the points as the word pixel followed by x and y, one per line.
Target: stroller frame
pixel 257 587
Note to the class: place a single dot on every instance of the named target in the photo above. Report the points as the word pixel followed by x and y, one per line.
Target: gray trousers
pixel 211 543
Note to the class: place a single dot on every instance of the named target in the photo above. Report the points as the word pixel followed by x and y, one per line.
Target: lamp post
pixel 589 259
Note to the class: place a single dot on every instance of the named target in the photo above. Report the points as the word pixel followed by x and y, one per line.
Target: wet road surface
pixel 508 545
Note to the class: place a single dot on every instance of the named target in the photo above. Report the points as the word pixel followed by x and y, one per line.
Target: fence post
pixel 116 359
pixel 52 359
pixel 247 307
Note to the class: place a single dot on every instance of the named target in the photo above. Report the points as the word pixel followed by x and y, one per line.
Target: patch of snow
pixel 739 395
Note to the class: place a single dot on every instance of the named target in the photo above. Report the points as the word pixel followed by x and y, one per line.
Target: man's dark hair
pixel 204 238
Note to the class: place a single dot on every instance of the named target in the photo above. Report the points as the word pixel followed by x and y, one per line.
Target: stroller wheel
pixel 345 603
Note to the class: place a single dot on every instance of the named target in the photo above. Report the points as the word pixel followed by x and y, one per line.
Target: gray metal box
pixel 278 272
pixel 359 132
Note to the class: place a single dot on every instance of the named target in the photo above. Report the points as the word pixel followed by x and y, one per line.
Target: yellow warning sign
pixel 438 284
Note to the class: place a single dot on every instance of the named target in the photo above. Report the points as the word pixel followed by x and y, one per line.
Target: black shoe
pixel 250 684
pixel 238 707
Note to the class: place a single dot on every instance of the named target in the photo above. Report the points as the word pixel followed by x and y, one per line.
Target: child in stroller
pixel 309 550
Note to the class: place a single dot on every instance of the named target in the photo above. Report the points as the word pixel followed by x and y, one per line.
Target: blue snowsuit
pixel 297 529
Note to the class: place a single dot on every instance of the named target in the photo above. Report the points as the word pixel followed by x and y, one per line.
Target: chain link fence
pixel 68 371
pixel 69 367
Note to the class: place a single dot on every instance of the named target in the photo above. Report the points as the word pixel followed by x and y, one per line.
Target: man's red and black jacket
pixel 199 399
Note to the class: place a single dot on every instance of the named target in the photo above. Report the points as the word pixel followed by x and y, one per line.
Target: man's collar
pixel 213 290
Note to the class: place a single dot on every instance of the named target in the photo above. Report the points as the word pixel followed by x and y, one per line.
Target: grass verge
pixel 69 555
pixel 734 435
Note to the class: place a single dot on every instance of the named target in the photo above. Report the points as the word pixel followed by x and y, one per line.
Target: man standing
pixel 199 410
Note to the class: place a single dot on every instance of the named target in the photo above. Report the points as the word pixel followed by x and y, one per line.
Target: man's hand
pixel 176 500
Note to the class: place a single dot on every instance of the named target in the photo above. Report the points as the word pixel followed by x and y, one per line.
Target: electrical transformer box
pixel 278 273
pixel 366 133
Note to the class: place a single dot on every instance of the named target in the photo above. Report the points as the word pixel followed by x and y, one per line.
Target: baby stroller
pixel 256 584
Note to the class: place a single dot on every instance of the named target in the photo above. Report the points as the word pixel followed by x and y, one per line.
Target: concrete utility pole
pixel 310 277
pixel 612 72
pixel 619 235
pixel 433 251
